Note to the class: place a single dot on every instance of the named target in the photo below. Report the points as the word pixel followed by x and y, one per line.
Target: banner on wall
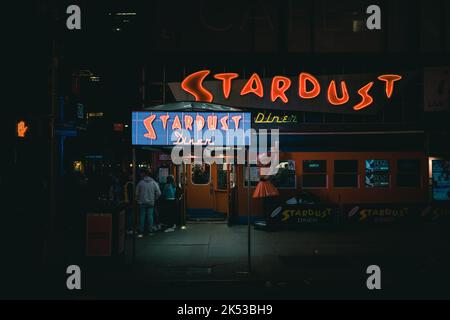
pixel 436 213
pixel 304 214
pixel 380 213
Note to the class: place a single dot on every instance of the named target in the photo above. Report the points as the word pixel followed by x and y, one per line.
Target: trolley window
pixel 441 180
pixel 254 175
pixel 346 173
pixel 408 173
pixel 377 174
pixel 285 176
pixel 222 182
pixel 201 173
pixel 314 174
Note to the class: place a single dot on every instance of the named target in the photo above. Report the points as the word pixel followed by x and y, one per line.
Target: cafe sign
pixel 191 128
pixel 350 93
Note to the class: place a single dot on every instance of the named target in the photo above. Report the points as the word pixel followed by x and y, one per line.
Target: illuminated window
pixel 346 173
pixel 377 174
pixel 441 180
pixel 201 173
pixel 314 174
pixel 222 182
pixel 285 176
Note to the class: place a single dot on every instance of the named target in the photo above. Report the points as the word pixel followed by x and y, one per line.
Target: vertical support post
pixel 52 181
pixel 134 206
pixel 249 257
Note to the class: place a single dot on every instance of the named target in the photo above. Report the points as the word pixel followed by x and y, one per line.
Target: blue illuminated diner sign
pixel 191 128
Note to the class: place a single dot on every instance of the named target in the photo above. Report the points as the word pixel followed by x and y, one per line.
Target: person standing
pixel 147 192
pixel 170 205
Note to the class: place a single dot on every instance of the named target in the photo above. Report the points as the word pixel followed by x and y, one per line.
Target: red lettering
pixel 366 98
pixel 302 90
pixel 200 122
pixel 226 82
pixel 212 122
pixel 332 93
pixel 193 84
pixel 176 123
pixel 279 86
pixel 151 134
pixel 224 123
pixel 389 79
pixel 236 120
pixel 249 86
pixel 164 119
pixel 188 120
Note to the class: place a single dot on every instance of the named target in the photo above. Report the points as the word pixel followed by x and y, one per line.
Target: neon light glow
pixel 164 119
pixel 258 90
pixel 151 134
pixel 21 129
pixel 279 86
pixel 390 79
pixel 212 122
pixel 302 90
pixel 309 87
pixel 332 94
pixel 193 85
pixel 366 98
pixel 226 82
pixel 200 122
pixel 179 128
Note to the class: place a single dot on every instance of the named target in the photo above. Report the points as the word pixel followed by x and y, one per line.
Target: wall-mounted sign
pixel 304 214
pixel 191 128
pixel 436 212
pixel 334 93
pixel 380 213
pixel 271 119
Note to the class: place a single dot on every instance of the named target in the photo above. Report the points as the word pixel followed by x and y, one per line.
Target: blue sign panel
pixel 191 128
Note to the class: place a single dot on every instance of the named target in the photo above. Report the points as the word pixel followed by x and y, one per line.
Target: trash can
pixel 105 230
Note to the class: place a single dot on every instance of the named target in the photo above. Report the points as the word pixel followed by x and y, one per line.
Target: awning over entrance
pixel 191 106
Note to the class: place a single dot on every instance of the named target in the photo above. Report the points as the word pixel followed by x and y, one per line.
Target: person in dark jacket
pixel 147 192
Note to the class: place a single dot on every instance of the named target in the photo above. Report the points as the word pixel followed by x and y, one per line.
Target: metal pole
pixel 134 206
pixel 249 261
pixel 53 161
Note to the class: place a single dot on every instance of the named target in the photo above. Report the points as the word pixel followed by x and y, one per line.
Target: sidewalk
pixel 284 263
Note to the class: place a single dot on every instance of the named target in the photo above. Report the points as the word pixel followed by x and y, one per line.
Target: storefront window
pixel 254 175
pixel 285 176
pixel 180 175
pixel 377 174
pixel 222 182
pixel 346 173
pixel 314 174
pixel 201 173
pixel 441 180
pixel 408 173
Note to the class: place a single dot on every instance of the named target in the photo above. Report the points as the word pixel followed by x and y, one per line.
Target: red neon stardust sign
pixel 308 87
